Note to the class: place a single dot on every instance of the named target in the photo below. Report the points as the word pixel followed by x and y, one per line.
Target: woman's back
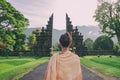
pixel 64 67
pixel 68 66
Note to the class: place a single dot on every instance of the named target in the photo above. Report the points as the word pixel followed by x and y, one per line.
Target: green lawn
pixel 15 67
pixel 104 64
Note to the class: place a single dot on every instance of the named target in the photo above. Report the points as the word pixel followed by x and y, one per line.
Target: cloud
pixel 94 33
pixel 90 32
pixel 39 11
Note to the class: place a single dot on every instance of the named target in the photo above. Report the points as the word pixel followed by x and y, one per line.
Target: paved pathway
pixel 38 74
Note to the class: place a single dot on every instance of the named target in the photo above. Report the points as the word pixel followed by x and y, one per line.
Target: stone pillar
pixel 77 37
pixel 44 41
pixel 69 26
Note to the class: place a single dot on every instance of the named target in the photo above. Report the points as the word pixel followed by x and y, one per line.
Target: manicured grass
pixel 104 64
pixel 14 67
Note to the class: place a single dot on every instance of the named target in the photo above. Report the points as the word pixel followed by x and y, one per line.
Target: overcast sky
pixel 38 11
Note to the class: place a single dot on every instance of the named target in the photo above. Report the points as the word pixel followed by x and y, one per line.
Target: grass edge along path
pixel 19 71
pixel 97 68
pixel 100 74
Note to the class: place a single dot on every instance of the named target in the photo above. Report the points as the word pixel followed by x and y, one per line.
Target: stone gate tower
pixel 78 46
pixel 44 40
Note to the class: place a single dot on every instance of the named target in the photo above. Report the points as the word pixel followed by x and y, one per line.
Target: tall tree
pixel 108 16
pixel 89 43
pixel 103 43
pixel 32 40
pixel 12 25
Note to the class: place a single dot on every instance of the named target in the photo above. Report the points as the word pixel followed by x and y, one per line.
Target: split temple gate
pixel 44 40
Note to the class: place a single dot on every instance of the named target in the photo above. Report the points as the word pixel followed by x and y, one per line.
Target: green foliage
pixel 56 47
pixel 103 43
pixel 32 40
pixel 26 47
pixel 117 49
pixel 2 45
pixel 20 41
pixel 12 25
pixel 37 32
pixel 89 43
pixel 104 64
pixel 107 14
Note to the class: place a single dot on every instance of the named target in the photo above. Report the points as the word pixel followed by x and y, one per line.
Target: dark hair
pixel 65 39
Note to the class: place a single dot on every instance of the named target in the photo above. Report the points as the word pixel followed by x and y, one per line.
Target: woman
pixel 64 65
